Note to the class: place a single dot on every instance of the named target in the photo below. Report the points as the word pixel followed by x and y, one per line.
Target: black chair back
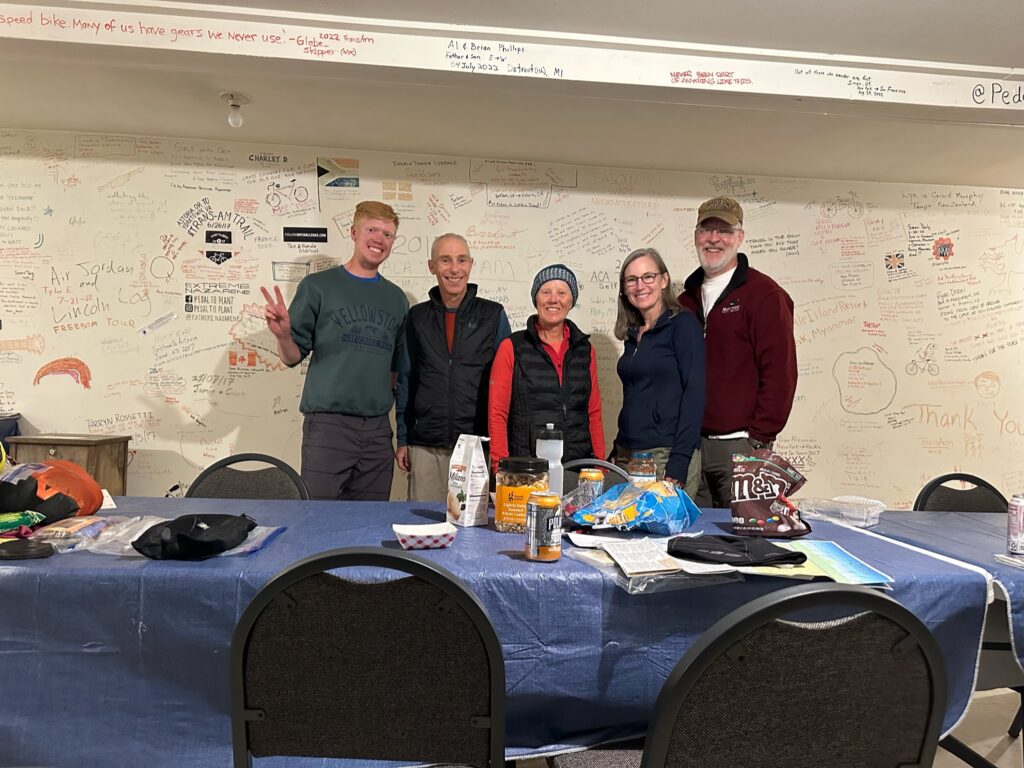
pixel 221 480
pixel 329 666
pixel 819 674
pixel 937 497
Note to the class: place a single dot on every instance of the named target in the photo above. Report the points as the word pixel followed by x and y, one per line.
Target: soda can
pixel 543 526
pixel 1015 525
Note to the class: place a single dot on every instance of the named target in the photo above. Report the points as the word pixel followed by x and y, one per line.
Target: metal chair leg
pixel 962 752
pixel 1014 730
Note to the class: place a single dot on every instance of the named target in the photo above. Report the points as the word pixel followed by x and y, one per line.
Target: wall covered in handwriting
pixel 130 302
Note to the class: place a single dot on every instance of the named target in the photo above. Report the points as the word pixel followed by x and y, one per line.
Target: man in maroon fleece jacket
pixel 749 345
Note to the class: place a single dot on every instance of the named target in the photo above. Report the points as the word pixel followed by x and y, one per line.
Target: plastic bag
pixel 117 538
pixel 857 511
pixel 660 508
pixel 72 533
pixel 647 583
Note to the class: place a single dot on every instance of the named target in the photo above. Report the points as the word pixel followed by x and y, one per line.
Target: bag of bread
pixel 468 482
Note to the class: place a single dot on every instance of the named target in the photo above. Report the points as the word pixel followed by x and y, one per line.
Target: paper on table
pixel 595 540
pixel 108 501
pixel 824 558
pixel 650 556
pixel 642 556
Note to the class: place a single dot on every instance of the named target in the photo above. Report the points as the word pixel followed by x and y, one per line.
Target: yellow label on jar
pixel 510 502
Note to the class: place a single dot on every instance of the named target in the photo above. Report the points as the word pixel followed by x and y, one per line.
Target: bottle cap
pixel 522 464
pixel 549 433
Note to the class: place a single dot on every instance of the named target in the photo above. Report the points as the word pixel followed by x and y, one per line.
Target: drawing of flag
pixel 894 262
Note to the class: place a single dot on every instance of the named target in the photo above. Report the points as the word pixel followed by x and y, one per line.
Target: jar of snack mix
pixel 517 478
pixel 642 469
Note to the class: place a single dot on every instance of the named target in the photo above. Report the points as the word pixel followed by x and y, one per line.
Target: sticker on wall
pixel 69 366
pixel 288 271
pixel 942 250
pixel 397 190
pixel 219 237
pixel 305 234
pixel 337 171
pixel 894 262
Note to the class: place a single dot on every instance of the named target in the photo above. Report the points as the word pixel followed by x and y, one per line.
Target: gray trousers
pixel 347 457
pixel 716 470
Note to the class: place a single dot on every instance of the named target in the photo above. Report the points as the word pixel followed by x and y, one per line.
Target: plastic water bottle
pixel 549 446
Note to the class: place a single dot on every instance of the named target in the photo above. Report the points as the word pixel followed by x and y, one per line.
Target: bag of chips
pixel 657 508
pixel 762 481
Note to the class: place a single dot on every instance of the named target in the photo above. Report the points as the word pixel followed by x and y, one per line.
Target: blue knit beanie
pixel 555 272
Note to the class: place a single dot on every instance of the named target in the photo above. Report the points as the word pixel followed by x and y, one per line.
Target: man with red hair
pixel 351 321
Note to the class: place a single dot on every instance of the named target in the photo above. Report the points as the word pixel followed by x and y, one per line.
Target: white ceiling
pixel 157 92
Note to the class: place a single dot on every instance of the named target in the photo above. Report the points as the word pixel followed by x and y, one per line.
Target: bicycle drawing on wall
pixel 924 362
pixel 292 192
pixel 851 204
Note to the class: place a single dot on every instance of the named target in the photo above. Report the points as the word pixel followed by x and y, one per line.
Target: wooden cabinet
pixel 105 457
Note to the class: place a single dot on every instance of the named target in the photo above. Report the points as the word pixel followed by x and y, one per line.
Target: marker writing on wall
pixel 158 323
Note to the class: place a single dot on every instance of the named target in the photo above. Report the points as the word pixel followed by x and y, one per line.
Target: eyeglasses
pixel 647 279
pixel 724 231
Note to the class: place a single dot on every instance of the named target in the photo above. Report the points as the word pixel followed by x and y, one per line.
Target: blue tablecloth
pixel 973 537
pixel 123 661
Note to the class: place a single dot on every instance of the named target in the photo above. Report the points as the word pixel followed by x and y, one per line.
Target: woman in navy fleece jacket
pixel 662 372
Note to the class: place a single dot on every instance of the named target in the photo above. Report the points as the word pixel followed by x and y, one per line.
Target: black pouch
pixel 733 550
pixel 25 549
pixel 194 537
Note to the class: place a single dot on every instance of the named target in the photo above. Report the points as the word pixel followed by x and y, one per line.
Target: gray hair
pixel 629 316
pixel 445 236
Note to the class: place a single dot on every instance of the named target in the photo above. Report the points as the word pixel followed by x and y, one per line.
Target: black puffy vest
pixel 539 399
pixel 448 391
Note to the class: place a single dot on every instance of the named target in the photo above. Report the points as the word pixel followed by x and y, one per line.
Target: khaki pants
pixel 660 455
pixel 428 473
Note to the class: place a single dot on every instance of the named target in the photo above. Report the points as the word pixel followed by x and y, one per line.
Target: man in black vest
pixel 451 339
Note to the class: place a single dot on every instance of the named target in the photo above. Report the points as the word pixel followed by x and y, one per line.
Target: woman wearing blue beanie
pixel 546 374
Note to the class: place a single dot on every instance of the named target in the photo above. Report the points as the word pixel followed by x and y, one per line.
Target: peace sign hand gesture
pixel 276 314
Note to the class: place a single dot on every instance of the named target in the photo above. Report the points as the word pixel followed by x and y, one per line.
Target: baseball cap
pixel 724 208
